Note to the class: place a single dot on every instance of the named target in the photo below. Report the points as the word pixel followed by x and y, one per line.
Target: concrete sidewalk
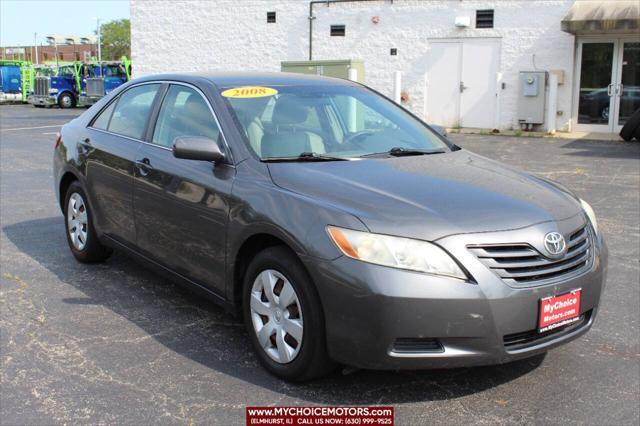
pixel 525 134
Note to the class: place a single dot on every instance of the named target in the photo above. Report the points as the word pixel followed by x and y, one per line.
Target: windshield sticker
pixel 249 92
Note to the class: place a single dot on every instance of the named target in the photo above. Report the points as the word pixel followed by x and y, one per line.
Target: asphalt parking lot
pixel 115 343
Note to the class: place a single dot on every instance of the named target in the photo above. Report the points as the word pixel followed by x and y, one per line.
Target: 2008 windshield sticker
pixel 249 92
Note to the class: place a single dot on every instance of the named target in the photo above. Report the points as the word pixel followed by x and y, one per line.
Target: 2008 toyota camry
pixel 345 229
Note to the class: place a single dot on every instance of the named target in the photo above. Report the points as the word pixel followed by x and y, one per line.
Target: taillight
pixel 58 140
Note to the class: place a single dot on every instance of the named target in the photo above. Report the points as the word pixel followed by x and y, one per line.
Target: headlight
pixel 590 214
pixel 396 252
pixel 53 91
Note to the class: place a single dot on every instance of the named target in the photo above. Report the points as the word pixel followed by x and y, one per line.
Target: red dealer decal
pixel 557 311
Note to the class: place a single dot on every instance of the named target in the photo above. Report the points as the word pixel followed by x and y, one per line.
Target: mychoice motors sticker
pixel 559 310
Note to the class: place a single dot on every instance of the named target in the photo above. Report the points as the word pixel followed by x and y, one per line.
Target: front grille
pixel 95 86
pixel 416 345
pixel 521 264
pixel 530 338
pixel 41 86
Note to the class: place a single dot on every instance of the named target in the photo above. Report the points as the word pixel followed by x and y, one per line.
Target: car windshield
pixel 326 122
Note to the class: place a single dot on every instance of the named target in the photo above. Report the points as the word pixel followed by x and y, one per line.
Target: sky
pixel 20 19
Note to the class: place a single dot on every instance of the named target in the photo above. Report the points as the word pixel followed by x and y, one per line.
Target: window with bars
pixel 484 18
pixel 338 30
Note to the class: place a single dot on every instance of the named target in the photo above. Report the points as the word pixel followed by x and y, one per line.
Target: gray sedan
pixel 340 226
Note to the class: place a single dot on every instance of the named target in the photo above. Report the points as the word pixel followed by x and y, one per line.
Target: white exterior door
pixel 461 82
pixel 443 85
pixel 480 61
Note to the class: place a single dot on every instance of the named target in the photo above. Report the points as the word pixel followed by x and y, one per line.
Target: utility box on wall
pixel 531 97
pixel 331 68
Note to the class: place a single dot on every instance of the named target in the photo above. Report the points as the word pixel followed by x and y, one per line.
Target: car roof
pixel 228 79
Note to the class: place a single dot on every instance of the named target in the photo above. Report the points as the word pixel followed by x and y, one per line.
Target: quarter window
pixel 184 112
pixel 132 111
pixel 102 121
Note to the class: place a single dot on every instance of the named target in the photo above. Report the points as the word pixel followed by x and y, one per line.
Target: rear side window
pixel 102 121
pixel 132 111
pixel 184 112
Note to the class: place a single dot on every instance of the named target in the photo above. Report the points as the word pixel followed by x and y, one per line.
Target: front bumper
pixel 10 97
pixel 89 100
pixel 369 307
pixel 42 100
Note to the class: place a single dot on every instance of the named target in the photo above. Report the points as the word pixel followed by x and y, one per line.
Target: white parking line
pixel 31 128
pixel 50 133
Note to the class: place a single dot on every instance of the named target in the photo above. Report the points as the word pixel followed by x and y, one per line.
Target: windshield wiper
pixel 305 156
pixel 403 152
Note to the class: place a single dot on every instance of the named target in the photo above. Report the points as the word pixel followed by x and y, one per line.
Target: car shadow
pixel 604 149
pixel 194 328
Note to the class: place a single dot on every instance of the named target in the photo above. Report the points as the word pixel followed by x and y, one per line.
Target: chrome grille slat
pixel 526 272
pixel 521 264
pixel 95 86
pixel 540 261
pixel 41 86
pixel 577 239
pixel 496 251
pixel 578 247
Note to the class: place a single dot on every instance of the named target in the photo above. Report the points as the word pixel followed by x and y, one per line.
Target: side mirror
pixel 197 148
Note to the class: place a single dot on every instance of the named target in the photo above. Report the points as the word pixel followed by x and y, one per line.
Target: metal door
pixel 443 91
pixel 480 61
pixel 461 82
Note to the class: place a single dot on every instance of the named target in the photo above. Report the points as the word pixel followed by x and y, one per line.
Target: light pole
pixel 99 43
pixel 35 44
pixel 55 44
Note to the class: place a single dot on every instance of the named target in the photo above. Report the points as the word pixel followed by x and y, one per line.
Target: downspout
pixel 327 2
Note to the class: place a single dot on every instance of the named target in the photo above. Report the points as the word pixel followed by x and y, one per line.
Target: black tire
pixel 93 250
pixel 66 100
pixel 312 359
pixel 631 128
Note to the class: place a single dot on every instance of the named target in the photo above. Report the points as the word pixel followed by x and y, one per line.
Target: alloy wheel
pixel 276 315
pixel 77 223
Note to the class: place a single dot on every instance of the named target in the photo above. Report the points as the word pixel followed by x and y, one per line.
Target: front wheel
pixel 66 100
pixel 81 235
pixel 283 316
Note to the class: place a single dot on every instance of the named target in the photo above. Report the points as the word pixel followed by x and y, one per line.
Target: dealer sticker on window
pixel 557 311
pixel 249 92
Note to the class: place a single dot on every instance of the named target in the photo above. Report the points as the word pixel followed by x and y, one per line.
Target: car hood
pixel 431 196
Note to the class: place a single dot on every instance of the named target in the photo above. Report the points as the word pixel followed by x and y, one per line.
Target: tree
pixel 116 39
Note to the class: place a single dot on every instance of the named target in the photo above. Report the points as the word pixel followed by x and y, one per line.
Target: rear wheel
pixel 81 236
pixel 283 316
pixel 66 100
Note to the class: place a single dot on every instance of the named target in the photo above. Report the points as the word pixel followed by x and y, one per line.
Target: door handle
pixel 610 90
pixel 462 87
pixel 85 146
pixel 144 166
pixel 619 89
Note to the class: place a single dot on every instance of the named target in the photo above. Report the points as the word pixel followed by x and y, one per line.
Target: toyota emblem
pixel 554 243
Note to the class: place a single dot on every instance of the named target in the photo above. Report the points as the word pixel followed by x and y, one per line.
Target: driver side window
pixel 184 112
pixel 132 111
